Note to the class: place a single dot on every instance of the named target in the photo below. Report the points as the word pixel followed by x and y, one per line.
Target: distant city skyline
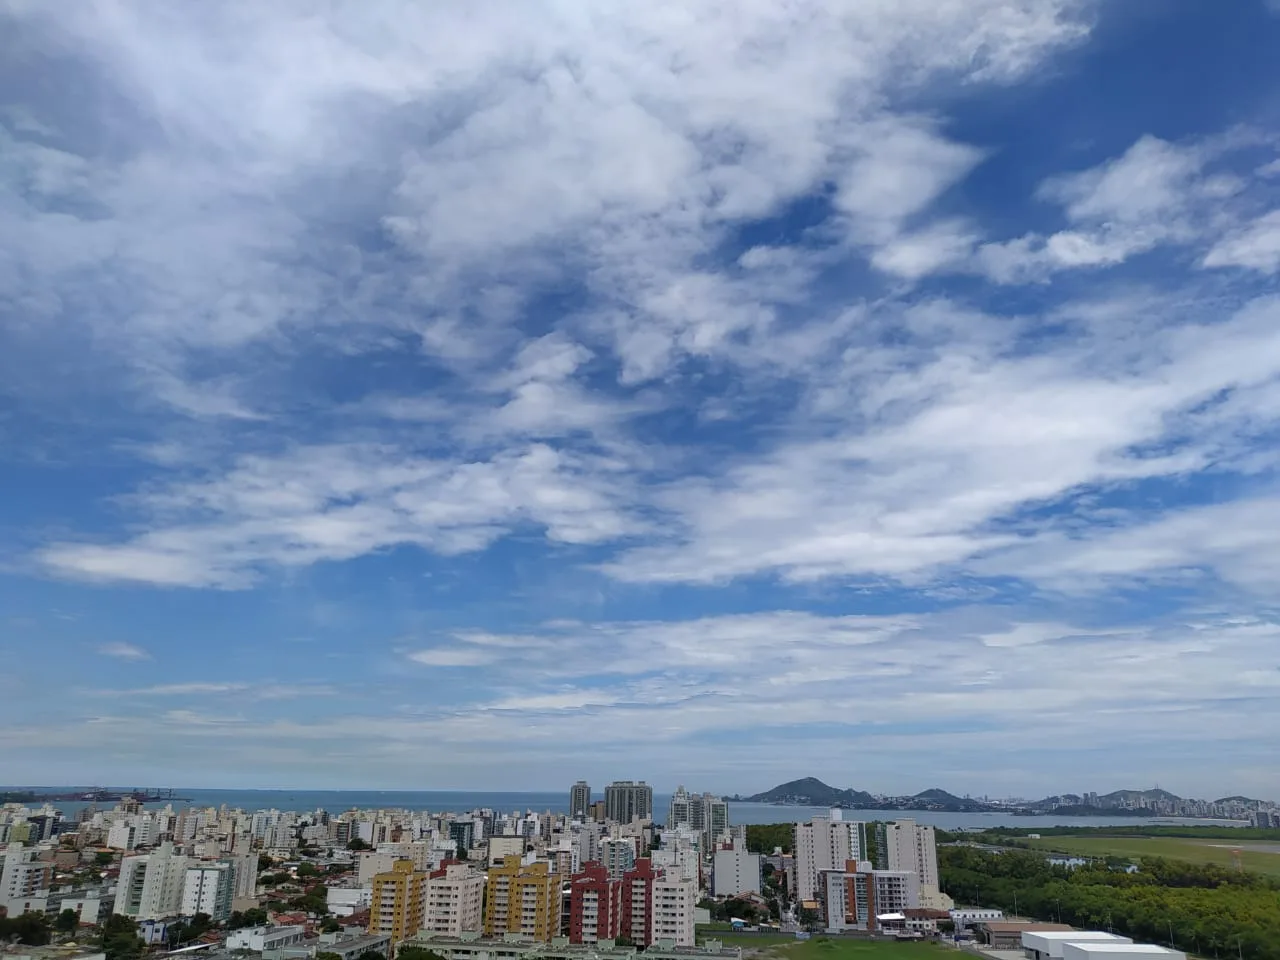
pixel 660 797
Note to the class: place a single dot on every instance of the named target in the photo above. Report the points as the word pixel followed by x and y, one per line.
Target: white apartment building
pixel 825 843
pixel 344 901
pixel 454 901
pixel 735 872
pixel 151 886
pixel 911 846
pixel 706 814
pixel 673 904
pixel 502 847
pixel 853 899
pixel 246 874
pixel 372 864
pixel 896 890
pixel 618 855
pixel 209 888
pixel 259 939
pixel 21 876
pixel 679 854
pixel 907 845
pixel 133 831
pixel 417 851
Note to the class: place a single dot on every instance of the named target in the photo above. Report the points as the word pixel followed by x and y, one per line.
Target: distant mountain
pixel 1128 796
pixel 939 799
pixel 812 792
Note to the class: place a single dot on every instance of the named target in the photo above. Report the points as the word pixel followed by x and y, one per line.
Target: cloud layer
pixel 756 346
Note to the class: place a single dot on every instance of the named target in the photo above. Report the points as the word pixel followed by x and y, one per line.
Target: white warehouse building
pixel 1048 944
pixel 1109 950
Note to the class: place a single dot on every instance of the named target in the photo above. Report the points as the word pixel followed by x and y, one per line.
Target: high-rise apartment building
pixel 624 800
pixel 21 875
pixel 399 901
pixel 151 886
pixel 580 800
pixel 735 871
pixel 618 855
pixel 523 899
pixel 637 902
pixel 851 898
pixel 673 905
pixel 825 843
pixel 705 813
pixel 595 905
pixel 209 888
pixel 246 874
pixel 907 845
pixel 454 901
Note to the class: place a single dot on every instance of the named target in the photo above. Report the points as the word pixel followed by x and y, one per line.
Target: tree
pixel 68 920
pixel 371 955
pixel 265 862
pixel 178 933
pixel 104 858
pixel 463 852
pixel 31 929
pixel 763 837
pixel 808 917
pixel 331 925
pixel 253 917
pixel 200 924
pixel 355 843
pixel 308 870
pixel 326 955
pixel 119 938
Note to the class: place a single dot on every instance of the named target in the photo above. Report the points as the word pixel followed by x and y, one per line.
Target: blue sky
pixel 404 395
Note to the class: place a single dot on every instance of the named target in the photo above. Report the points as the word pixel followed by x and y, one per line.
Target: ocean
pixel 461 801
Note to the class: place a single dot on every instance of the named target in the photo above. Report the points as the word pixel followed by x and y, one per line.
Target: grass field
pixel 787 947
pixel 846 948
pixel 760 940
pixel 1172 848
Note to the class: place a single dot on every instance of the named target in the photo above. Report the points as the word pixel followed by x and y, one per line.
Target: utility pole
pixel 1173 943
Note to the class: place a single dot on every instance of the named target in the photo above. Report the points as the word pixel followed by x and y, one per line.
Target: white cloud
pixel 453 657
pixel 928 458
pixel 1126 206
pixel 926 251
pixel 491 145
pixel 334 503
pixel 1228 540
pixel 898 168
pixel 1255 247
pixel 786 675
pixel 123 651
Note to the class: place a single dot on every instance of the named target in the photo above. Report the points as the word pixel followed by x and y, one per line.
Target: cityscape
pixel 609 876
pixel 639 479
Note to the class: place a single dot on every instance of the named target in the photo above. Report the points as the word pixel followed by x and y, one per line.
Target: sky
pixel 490 394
